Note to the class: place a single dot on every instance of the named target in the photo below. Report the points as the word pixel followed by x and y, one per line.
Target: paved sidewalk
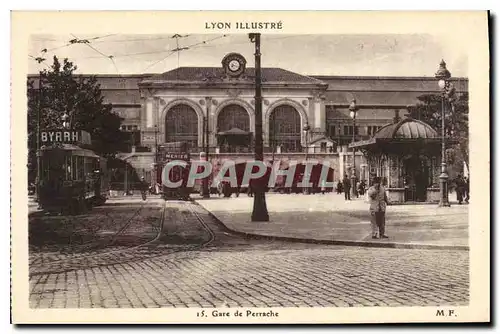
pixel 329 218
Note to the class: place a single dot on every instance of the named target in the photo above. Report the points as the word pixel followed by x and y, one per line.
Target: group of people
pixel 345 187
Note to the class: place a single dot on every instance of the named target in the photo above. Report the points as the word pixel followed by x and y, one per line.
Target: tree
pixel 428 109
pixel 63 92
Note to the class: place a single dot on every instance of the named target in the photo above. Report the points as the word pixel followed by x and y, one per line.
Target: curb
pixel 372 244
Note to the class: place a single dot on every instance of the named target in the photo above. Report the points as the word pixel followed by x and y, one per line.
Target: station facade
pixel 195 103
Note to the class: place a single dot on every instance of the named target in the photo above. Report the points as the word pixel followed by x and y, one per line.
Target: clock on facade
pixel 234 64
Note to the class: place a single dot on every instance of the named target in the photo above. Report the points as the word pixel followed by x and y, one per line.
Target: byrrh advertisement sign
pixel 63 136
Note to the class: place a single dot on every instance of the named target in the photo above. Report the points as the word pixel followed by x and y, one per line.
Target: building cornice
pixel 420 91
pixel 397 78
pixel 319 77
pixel 227 85
pixel 368 106
pixel 125 105
pixel 124 76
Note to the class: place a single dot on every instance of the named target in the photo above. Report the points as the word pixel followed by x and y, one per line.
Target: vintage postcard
pixel 250 167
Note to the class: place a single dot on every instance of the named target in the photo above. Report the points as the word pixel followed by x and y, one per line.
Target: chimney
pixel 396 118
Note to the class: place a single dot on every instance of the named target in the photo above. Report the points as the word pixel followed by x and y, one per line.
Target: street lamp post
pixel 353 108
pixel 64 118
pixel 156 143
pixel 259 213
pixel 155 170
pixel 443 76
pixel 38 134
pixel 306 129
pixel 206 190
pixel 273 140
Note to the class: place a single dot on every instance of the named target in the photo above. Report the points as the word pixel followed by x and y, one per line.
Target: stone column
pixel 149 113
pixel 212 125
pixel 159 121
pixel 363 172
pixel 341 165
pixel 311 112
pixel 317 114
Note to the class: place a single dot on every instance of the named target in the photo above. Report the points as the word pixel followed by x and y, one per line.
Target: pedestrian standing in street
pixel 250 190
pixel 339 186
pixel 347 187
pixel 362 188
pixel 378 203
pixel 467 190
pixel 459 188
pixel 143 187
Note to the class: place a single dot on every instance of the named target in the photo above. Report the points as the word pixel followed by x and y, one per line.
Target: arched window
pixel 285 129
pixel 181 124
pixel 233 116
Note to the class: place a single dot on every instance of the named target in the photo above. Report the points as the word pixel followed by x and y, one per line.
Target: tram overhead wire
pixel 206 43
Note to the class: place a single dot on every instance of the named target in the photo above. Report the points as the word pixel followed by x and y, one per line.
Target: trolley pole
pixel 38 153
pixel 154 178
pixel 206 189
pixel 259 213
pixel 125 181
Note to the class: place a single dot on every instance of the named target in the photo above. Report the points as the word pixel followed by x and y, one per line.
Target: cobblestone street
pixel 195 262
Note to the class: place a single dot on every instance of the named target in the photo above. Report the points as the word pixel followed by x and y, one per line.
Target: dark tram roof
pixel 74 149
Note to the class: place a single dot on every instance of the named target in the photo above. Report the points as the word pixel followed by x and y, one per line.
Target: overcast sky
pixel 350 55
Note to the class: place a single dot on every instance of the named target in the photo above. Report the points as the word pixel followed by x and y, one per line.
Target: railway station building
pixel 194 104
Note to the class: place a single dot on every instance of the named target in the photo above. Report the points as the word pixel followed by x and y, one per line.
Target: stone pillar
pixel 341 165
pixel 322 114
pixel 212 124
pixel 317 114
pixel 159 121
pixel 149 113
pixel 363 172
pixel 311 112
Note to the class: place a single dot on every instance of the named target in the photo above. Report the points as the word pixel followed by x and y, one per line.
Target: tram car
pixel 169 152
pixel 72 179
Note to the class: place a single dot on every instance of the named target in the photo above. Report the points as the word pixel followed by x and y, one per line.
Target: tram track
pixel 216 236
pixel 92 249
pixel 127 254
pixel 202 223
